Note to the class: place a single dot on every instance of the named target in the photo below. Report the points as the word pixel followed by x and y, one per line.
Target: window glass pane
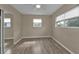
pixel 7 22
pixel 69 19
pixel 74 22
pixel 60 24
pixel 37 22
pixel 7 19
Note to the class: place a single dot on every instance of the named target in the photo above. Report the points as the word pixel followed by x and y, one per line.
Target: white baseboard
pixel 18 41
pixel 38 37
pixel 62 45
pixel 8 38
pixel 32 37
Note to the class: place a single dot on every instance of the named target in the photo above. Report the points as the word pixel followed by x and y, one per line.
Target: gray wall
pixel 29 31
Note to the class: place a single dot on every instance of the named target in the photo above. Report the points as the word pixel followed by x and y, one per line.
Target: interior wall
pixel 29 31
pixel 69 37
pixel 16 20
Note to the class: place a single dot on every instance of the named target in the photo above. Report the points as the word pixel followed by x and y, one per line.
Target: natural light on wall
pixel 37 22
pixel 68 19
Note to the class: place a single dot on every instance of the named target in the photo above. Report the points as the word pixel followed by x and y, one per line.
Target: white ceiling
pixel 29 9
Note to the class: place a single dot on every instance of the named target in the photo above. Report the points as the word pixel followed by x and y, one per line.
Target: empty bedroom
pixel 40 28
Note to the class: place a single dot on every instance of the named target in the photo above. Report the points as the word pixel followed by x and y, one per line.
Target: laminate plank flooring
pixel 37 46
pixel 8 44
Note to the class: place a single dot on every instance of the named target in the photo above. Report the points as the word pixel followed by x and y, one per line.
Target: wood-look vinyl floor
pixel 37 46
pixel 8 44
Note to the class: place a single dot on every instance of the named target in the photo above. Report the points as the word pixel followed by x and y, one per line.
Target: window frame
pixel 40 23
pixel 10 22
pixel 64 26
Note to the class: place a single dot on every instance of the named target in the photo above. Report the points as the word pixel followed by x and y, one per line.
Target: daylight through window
pixel 7 22
pixel 37 22
pixel 68 19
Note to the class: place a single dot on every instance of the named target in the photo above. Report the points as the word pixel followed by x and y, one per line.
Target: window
pixel 68 19
pixel 60 21
pixel 7 22
pixel 37 22
pixel 73 22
